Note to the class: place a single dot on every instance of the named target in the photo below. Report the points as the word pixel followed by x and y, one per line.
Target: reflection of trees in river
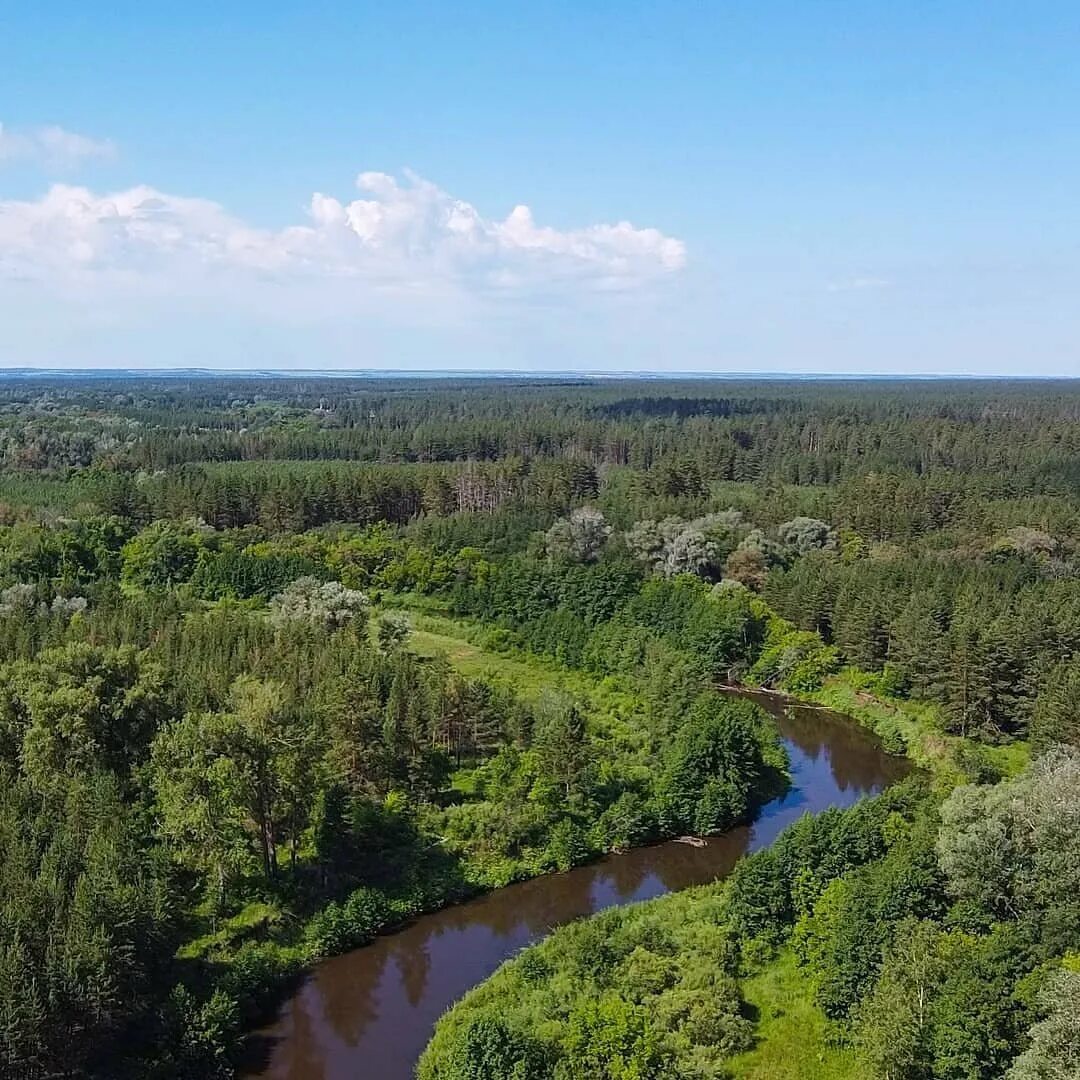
pixel 625 875
pixel 349 992
pixel 683 866
pixel 855 761
pixel 413 960
pixel 535 906
pixel 306 1055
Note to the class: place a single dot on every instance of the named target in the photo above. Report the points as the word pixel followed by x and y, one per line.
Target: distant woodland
pixel 224 757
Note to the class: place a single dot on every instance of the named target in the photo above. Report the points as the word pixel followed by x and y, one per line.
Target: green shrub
pixel 339 927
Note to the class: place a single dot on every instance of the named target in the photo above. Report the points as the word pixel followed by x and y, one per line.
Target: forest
pixel 227 752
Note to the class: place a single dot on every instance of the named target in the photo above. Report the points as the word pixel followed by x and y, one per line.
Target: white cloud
pixel 859 284
pixel 51 145
pixel 406 235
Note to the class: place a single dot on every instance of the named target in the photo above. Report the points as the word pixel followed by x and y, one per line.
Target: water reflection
pixel 368 1014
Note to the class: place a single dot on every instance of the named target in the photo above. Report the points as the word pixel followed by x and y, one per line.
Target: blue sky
pixel 842 187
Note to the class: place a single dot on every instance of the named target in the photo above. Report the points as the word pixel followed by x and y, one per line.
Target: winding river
pixel 368 1014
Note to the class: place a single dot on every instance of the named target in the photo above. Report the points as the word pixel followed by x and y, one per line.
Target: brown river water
pixel 367 1015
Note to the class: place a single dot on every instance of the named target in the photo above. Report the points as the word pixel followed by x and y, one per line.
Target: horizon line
pixel 509 373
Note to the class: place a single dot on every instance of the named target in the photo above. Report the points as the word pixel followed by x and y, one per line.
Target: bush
pixel 628 822
pixel 567 846
pixel 487 1048
pixel 340 927
pixel 714 766
pixel 255 975
pixel 796 660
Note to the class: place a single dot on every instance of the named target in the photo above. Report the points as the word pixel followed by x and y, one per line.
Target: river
pixel 367 1015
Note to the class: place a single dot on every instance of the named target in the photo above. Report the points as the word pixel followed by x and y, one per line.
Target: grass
pixel 792 1031
pixel 613 707
pixel 910 727
pixel 916 729
pixel 253 920
pixel 435 635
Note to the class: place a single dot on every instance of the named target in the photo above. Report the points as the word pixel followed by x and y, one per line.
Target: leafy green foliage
pixel 712 767
pixel 652 990
pixel 199 737
pixel 160 556
pixel 1055 1040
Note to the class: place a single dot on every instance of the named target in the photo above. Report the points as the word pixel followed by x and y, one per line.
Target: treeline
pixel 294 497
pixel 988 633
pixel 991 640
pixel 802 433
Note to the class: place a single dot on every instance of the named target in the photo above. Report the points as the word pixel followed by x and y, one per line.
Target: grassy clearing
pixel 614 708
pixel 435 635
pixel 792 1031
pixel 254 919
pixel 910 727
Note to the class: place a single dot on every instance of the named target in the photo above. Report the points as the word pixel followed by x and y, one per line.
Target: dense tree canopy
pixel 227 748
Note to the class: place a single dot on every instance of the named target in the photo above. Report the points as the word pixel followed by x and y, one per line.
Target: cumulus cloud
pixel 51 145
pixel 397 234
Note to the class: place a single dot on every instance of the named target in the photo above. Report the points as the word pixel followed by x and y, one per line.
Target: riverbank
pixel 904 728
pixel 368 1014
pixel 916 729
pixel 793 1037
pixel 264 947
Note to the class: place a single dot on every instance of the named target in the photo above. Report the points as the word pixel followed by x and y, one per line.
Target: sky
pixel 669 186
